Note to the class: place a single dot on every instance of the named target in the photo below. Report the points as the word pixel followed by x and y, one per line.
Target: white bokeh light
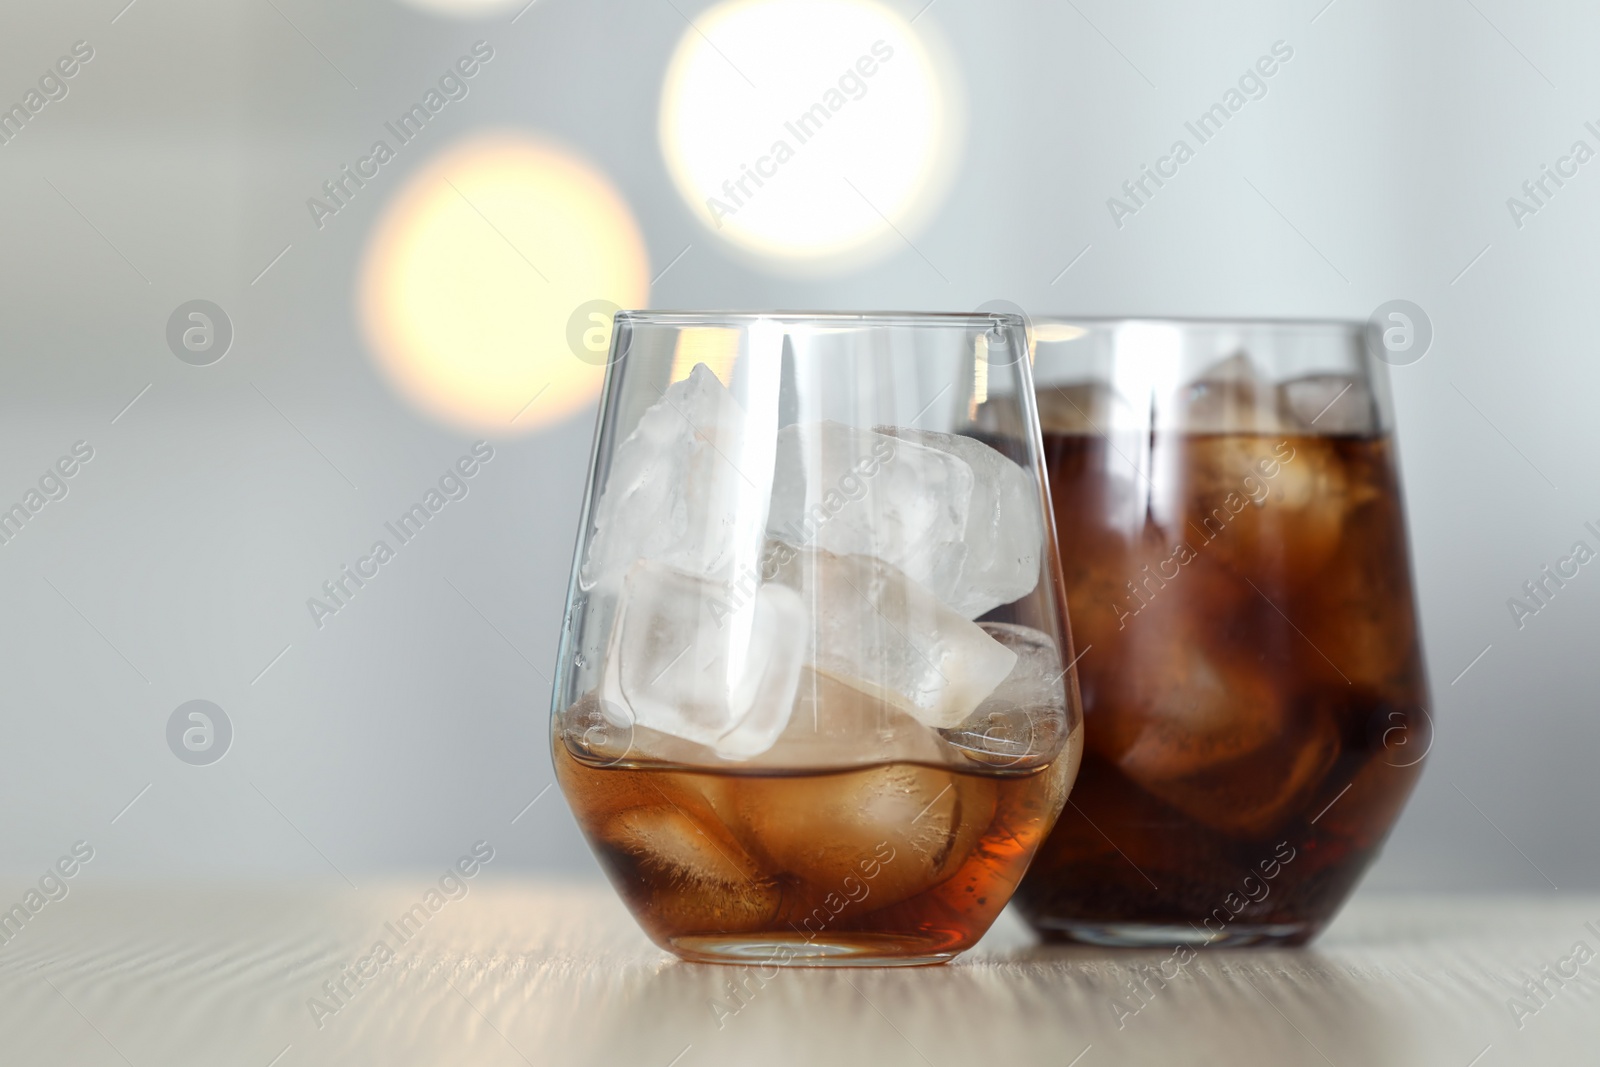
pixel 804 130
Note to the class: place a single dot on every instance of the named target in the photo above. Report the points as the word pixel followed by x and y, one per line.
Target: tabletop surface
pixel 557 973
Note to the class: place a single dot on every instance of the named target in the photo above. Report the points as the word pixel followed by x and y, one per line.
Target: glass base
pixel 837 950
pixel 1160 935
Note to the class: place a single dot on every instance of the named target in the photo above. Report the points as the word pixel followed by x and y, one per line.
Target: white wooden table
pixel 545 973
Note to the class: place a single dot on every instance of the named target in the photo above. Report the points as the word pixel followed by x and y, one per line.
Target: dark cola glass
pixel 1233 540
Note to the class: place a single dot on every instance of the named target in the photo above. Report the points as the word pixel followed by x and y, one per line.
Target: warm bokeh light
pixel 475 272
pixel 1055 332
pixel 805 130
pixel 1048 333
pixel 715 346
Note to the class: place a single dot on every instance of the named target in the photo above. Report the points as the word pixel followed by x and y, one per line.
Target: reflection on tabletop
pixel 495 971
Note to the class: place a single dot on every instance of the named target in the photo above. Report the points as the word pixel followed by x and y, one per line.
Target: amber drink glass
pixel 814 702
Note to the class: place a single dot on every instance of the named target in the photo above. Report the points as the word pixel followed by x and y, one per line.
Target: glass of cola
pixel 1238 577
pixel 814 701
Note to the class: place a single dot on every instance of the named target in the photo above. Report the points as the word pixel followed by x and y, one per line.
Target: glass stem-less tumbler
pixel 1234 543
pixel 814 702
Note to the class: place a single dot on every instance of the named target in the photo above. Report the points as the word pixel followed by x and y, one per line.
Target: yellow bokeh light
pixel 1054 332
pixel 808 130
pixel 476 272
pixel 1050 333
pixel 715 346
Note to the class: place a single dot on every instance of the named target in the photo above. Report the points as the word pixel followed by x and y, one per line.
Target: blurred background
pixel 367 314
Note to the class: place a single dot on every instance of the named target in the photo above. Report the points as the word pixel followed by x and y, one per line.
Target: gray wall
pixel 414 722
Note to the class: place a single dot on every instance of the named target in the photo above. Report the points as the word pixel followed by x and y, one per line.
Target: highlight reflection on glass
pixel 475 271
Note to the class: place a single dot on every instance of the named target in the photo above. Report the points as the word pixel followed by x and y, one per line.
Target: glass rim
pixel 667 317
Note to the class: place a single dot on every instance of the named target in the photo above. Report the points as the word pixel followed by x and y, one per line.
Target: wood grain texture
pixel 542 973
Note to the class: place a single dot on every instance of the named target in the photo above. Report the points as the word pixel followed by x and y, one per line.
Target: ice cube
pixel 1328 403
pixel 1004 530
pixel 1078 408
pixel 876 630
pixel 1024 721
pixel 674 492
pixel 1359 610
pixel 1189 710
pixel 1206 728
pixel 1230 396
pixel 854 491
pixel 596 736
pixel 703 661
pixel 1379 789
pixel 605 735
pixel 699 876
pixel 834 725
pixel 895 830
pixel 1259 791
pixel 1268 506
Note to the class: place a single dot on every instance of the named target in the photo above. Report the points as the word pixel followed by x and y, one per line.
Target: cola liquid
pixel 894 862
pixel 1255 705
